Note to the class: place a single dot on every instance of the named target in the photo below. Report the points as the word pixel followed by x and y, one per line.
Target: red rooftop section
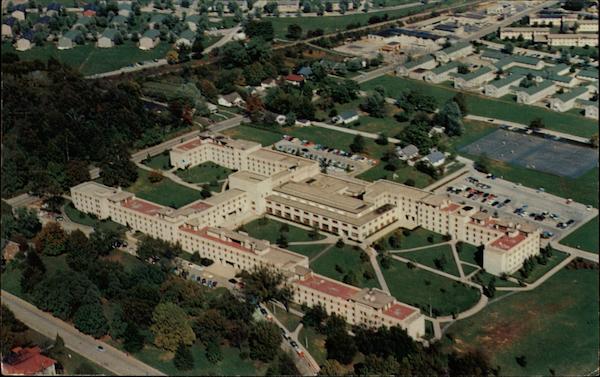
pixel 190 145
pixel 200 206
pixel 399 311
pixel 26 361
pixel 142 206
pixel 451 207
pixel 507 242
pixel 204 234
pixel 294 78
pixel 330 287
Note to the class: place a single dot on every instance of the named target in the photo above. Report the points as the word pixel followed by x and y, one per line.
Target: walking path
pixel 419 247
pixel 380 278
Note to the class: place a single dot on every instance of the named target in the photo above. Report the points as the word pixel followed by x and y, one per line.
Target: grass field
pixel 165 192
pixel 538 324
pixel 483 278
pixel 159 162
pixel 489 107
pixel 231 365
pixel 413 238
pixel 401 175
pixel 467 268
pixel 472 131
pixel 271 231
pixel 314 343
pixel 469 253
pixel 289 320
pixel 337 262
pixel 428 257
pixel 539 269
pixel 423 288
pixel 83 218
pixel 584 238
pixel 258 135
pixel 207 172
pixel 309 250
pixel 90 60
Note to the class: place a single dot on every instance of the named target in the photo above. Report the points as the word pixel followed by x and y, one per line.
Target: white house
pixel 187 38
pixel 6 31
pixel 230 100
pixel 346 117
pixel 535 93
pixel 590 108
pixel 18 14
pixel 23 44
pixel 149 40
pixel 107 39
pixel 435 158
pixel 407 153
pixel 566 101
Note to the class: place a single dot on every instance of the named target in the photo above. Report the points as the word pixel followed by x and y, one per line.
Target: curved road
pixel 44 323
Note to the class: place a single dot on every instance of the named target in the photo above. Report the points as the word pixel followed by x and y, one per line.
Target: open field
pixel 423 288
pixel 289 320
pixel 469 253
pixel 309 250
pixel 402 175
pixel 483 278
pixel 490 107
pixel 538 324
pixel 165 192
pixel 584 238
pixel 90 60
pixel 539 269
pixel 338 262
pixel 413 238
pixel 84 219
pixel 314 343
pixel 159 162
pixel 272 229
pixel 208 172
pixel 429 256
pixel 472 131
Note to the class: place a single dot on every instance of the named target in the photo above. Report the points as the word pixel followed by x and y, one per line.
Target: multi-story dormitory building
pixel 293 188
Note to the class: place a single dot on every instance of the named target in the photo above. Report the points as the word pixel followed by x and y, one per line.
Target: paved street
pixel 111 358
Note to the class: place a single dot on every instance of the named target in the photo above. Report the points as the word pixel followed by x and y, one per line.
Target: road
pixel 544 131
pixel 111 358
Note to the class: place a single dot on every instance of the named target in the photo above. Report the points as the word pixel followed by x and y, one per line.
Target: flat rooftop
pixel 506 242
pixel 271 155
pixel 328 286
pixel 143 206
pixel 318 195
pixel 399 311
pixel 248 176
pixel 95 188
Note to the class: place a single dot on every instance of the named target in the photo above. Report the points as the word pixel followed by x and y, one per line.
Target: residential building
pixel 576 40
pixel 187 37
pixel 124 8
pixel 230 100
pixel 423 62
pixel 590 108
pixel 502 87
pixel 441 73
pixel 346 117
pixel 587 26
pixel 25 42
pixel 474 79
pixel 527 33
pixel 70 39
pixel 28 361
pixel 149 40
pixel 535 93
pixel 456 51
pixel 435 158
pixel 566 101
pixel 7 25
pixel 192 22
pixel 53 9
pixel 108 38
pixel 519 61
pixel 590 74
pixel 407 153
pixel 293 79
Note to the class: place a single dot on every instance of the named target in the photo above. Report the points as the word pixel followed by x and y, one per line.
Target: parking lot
pixel 511 200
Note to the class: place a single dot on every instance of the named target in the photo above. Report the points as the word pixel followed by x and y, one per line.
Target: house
pixel 107 39
pixel 493 55
pixel 302 123
pixel 519 61
pixel 305 72
pixel 25 42
pixel 435 158
pixel 7 25
pixel 19 12
pixel 566 101
pixel 535 93
pixel 187 37
pixel 28 361
pixel 192 22
pixel 576 40
pixel 559 69
pixel 149 40
pixel 125 9
pixel 230 100
pixel 293 79
pixel 9 249
pixel 53 9
pixel 441 73
pixel 407 153
pixel 425 62
pixel 456 51
pixel 212 108
pixel 437 130
pixel 268 83
pixel 346 117
pixel 156 19
pixel 42 21
pixel 240 36
pixel 527 33
pixel 83 21
pixel 588 75
pixel 502 87
pixel 70 39
pixel 590 108
pixel 89 13
pixel 118 21
pixel 474 79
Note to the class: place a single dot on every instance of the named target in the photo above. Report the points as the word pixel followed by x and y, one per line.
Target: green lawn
pixel 159 162
pixel 231 365
pixel 90 60
pixel 84 219
pixel 483 278
pixel 265 137
pixel 539 269
pixel 585 237
pixel 271 230
pixel 11 279
pixel 467 268
pixel 428 257
pixel 423 288
pixel 207 172
pixel 314 343
pixel 165 192
pixel 309 250
pixel 472 131
pixel 538 324
pixel 470 253
pixel 494 108
pixel 413 238
pixel 289 320
pixel 337 262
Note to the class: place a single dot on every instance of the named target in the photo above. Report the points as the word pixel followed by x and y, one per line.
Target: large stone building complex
pixel 293 188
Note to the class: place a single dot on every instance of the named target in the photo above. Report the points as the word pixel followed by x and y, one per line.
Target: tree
pixel 594 141
pixel 537 123
pixel 294 31
pixel 51 240
pixel 133 339
pixel 450 117
pixel 283 365
pixel 264 340
pixel 155 176
pixel 483 164
pixel 332 367
pixel 358 144
pixel 183 360
pixel 282 241
pixel 262 29
pixel 33 273
pixel 508 48
pixel 263 284
pixel 461 101
pixel 341 347
pixel 213 352
pixel 210 326
pixel 171 326
pixel 374 105
pixel 27 222
pixel 469 364
pixel 381 139
pixel 90 319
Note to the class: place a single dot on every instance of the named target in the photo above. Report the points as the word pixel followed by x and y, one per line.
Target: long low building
pixel 566 101
pixel 502 87
pixel 527 33
pixel 474 79
pixel 576 40
pixel 535 93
